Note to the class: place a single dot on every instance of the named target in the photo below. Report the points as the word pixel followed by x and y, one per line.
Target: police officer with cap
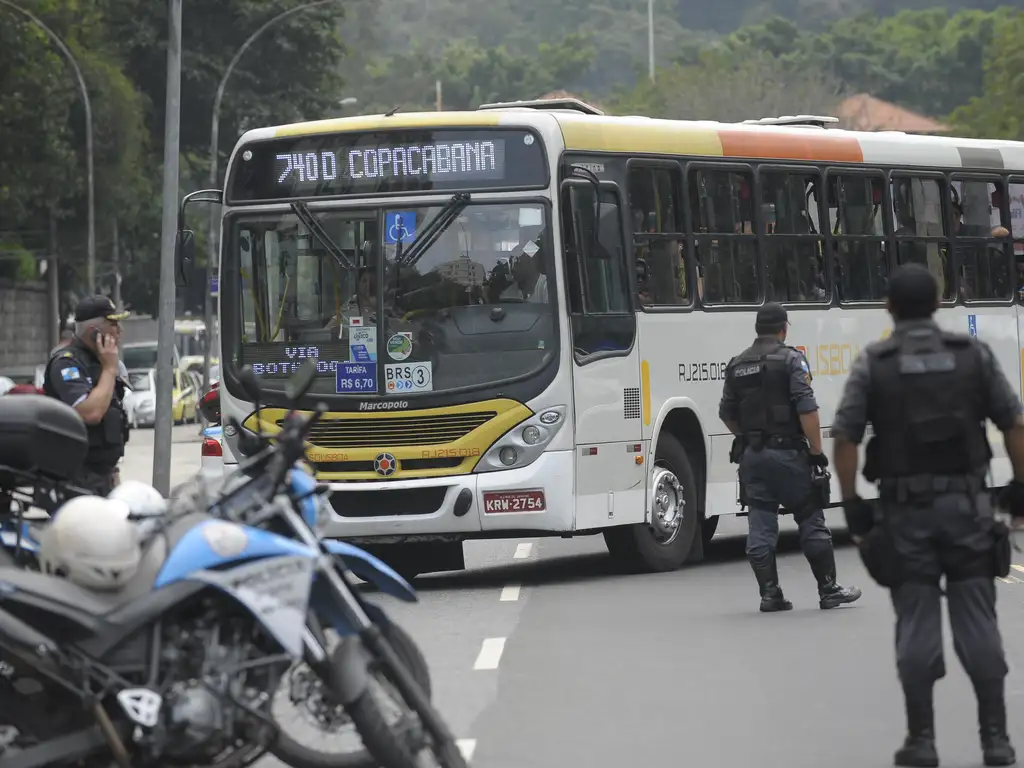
pixel 927 394
pixel 768 403
pixel 85 375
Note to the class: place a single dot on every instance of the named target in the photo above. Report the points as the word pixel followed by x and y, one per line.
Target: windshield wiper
pixel 433 230
pixel 312 223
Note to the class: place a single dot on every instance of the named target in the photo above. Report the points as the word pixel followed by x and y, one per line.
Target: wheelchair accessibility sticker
pixel 400 226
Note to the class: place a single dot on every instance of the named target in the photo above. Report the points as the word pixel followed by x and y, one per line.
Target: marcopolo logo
pixel 389 405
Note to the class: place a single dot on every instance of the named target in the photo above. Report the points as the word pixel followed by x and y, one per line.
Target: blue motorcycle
pixel 174 668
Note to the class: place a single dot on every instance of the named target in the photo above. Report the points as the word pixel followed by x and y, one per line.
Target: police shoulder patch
pixel 70 374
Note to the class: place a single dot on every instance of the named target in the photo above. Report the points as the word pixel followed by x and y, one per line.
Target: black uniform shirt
pixel 800 391
pixel 1004 405
pixel 73 373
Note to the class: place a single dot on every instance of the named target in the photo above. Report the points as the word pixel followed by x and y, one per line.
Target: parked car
pixel 140 403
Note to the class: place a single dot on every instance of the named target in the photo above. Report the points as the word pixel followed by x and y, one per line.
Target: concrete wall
pixel 24 331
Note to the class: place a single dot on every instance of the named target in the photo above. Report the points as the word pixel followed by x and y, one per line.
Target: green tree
pixel 998 112
pixel 722 86
pixel 470 75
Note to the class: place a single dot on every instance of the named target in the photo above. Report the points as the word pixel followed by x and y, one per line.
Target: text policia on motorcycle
pixel 150 591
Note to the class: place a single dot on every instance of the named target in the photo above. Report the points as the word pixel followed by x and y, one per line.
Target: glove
pixel 819 460
pixel 1011 498
pixel 860 516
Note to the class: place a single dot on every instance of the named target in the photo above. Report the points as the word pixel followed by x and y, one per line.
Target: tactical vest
pixel 760 378
pixel 927 406
pixel 106 439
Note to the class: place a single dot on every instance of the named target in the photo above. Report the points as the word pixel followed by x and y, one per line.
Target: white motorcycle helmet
pixel 92 544
pixel 143 501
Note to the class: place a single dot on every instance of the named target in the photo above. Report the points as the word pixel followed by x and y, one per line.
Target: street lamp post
pixel 212 262
pixel 650 39
pixel 88 133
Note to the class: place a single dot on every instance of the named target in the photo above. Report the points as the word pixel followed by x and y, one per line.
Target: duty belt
pixel 758 440
pixel 918 488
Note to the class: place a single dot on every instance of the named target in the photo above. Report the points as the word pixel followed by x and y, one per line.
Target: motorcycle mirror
pixel 209 405
pixel 251 387
pixel 250 384
pixel 299 384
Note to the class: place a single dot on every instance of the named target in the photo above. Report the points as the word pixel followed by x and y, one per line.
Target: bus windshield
pixel 466 307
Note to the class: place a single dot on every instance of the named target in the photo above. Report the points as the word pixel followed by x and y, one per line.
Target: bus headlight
pixel 524 443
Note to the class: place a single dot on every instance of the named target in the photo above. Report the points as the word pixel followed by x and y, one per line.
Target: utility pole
pixel 437 95
pixel 650 39
pixel 53 282
pixel 165 352
pixel 117 268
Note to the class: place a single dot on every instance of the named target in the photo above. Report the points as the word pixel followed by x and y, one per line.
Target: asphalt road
pixel 543 656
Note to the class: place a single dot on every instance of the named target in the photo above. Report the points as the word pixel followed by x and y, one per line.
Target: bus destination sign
pixel 406 161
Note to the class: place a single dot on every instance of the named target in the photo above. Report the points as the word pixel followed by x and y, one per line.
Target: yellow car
pixel 185 398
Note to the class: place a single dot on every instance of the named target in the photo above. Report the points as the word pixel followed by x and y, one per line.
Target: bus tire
pixel 666 543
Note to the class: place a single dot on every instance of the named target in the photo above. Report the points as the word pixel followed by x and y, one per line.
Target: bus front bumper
pixel 538 497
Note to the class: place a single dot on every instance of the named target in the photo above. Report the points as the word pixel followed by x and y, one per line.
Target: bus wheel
pixel 664 544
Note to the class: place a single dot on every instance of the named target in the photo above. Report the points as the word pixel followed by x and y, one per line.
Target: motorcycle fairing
pixel 372 569
pixel 217 543
pixel 275 589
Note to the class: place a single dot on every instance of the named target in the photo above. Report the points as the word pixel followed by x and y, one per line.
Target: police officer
pixel 927 394
pixel 84 374
pixel 768 403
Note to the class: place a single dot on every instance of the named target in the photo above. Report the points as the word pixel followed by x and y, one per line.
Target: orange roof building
pixel 863 112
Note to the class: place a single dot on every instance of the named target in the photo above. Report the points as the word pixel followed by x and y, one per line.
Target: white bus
pixel 522 315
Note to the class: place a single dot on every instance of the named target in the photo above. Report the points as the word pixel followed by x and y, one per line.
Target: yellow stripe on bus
pixel 595 135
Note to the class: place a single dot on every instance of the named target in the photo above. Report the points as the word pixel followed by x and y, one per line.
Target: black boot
pixel 772 599
pixel 830 593
pixel 995 741
pixel 918 750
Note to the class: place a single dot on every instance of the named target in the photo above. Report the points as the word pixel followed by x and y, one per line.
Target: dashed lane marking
pixel 523 550
pixel 490 653
pixel 467 747
pixel 510 593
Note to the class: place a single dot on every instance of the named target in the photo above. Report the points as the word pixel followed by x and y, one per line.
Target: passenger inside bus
pixel 724 235
pixel 984 257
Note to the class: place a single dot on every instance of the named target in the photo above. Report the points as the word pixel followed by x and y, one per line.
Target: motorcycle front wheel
pixel 368 714
pixel 395 750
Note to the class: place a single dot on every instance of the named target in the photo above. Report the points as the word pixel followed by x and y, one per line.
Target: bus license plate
pixel 496 502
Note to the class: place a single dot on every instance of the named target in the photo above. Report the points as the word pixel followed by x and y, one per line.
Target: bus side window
pixel 919 228
pixel 601 318
pixel 981 241
pixel 655 196
pixel 722 212
pixel 856 221
pixel 794 247
pixel 1017 232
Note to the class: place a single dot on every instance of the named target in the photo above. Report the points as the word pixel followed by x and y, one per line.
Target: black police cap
pixel 95 307
pixel 771 316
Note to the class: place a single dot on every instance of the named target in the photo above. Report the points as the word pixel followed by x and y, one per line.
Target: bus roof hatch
pixel 574 105
pixel 817 121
